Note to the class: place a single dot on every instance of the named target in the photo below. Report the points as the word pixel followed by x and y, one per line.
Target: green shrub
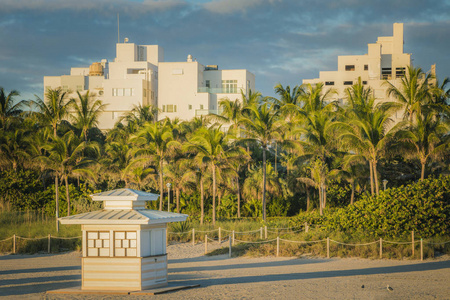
pixel 423 207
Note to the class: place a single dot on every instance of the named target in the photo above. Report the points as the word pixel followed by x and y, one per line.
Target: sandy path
pixel 29 276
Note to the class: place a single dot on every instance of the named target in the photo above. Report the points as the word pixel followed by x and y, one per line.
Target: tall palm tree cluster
pixel 262 156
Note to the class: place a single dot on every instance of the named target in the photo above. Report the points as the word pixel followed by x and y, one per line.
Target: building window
pixel 164 108
pixel 100 93
pixel 190 106
pixel 97 243
pixel 201 106
pixel 144 93
pixel 386 73
pixel 349 67
pixel 329 82
pixel 171 108
pixel 364 82
pixel 399 72
pixel 366 67
pixel 229 86
pixel 348 82
pixel 125 243
pixel 119 92
pixel 208 83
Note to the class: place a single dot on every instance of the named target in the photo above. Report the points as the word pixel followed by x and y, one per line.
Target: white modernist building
pixel 139 76
pixel 385 60
pixel 124 245
pixel 189 89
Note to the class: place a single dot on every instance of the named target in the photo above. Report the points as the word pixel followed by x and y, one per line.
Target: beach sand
pixel 30 276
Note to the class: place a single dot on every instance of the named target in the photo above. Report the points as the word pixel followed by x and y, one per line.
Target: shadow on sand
pixel 205 281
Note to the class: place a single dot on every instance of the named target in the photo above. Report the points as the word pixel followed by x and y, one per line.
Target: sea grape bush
pixel 423 207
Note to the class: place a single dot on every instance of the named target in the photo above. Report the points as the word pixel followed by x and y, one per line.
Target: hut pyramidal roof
pixel 124 206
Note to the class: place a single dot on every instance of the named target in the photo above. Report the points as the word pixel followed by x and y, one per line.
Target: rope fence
pixel 232 241
pixel 263 231
pixel 49 238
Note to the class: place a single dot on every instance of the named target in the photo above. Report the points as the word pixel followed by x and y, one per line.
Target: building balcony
pixel 219 90
pixel 205 112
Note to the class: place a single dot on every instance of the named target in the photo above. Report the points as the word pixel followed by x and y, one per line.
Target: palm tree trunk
pixel 422 173
pixel 238 198
pixel 202 203
pixel 57 201
pixel 276 153
pixel 320 201
pixel 371 177
pixel 161 191
pixel 67 195
pixel 375 175
pixel 178 200
pixel 307 198
pixel 324 197
pixel 214 195
pixel 264 185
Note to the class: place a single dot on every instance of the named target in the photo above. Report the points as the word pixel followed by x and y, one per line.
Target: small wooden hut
pixel 124 245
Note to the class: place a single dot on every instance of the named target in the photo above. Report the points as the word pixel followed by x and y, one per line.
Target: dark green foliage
pixel 423 207
pixel 338 194
pixel 22 189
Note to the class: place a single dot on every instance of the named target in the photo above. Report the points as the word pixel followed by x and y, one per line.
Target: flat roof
pixel 125 194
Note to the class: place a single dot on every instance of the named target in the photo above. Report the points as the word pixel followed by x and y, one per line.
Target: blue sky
pixel 280 41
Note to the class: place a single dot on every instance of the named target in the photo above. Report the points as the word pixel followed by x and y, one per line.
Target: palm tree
pixel 157 143
pixel 7 106
pixel 428 138
pixel 366 130
pixel 177 174
pixel 414 92
pixel 139 115
pixel 87 112
pixel 54 109
pixel 15 143
pixel 262 127
pixel 369 138
pixel 65 159
pixel 209 146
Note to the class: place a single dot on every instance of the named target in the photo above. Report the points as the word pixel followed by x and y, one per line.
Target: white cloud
pixel 231 6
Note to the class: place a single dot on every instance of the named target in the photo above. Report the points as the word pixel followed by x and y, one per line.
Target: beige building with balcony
pixel 385 60
pixel 189 89
pixel 139 76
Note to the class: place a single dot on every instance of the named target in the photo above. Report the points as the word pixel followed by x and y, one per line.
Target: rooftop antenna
pixel 118 32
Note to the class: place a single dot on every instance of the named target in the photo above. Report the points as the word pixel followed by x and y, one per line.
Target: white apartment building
pixel 189 89
pixel 139 76
pixel 385 60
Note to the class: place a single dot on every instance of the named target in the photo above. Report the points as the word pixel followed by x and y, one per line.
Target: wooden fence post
pixel 233 238
pixel 49 242
pixel 206 243
pixel 14 244
pixel 381 248
pixel 260 233
pixel 278 246
pixel 328 247
pixel 306 227
pixel 167 237
pixel 412 244
pixel 193 236
pixel 220 235
pixel 421 249
pixel 229 246
pixel 265 232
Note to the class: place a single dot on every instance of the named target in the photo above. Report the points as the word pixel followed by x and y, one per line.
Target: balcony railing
pixel 204 112
pixel 219 90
